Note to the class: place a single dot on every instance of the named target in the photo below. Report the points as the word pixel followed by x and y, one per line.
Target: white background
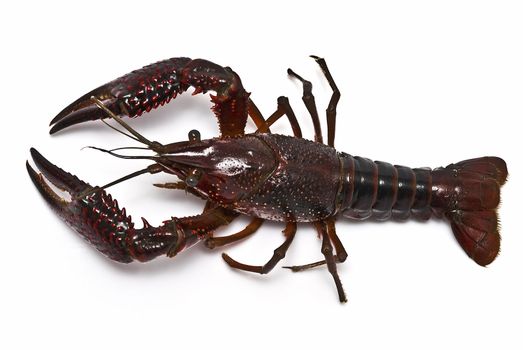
pixel 422 83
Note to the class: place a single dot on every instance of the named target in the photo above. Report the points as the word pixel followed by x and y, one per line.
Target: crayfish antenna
pixel 135 134
pixel 110 151
pixel 152 169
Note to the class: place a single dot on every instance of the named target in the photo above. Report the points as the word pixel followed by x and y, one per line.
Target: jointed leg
pixel 299 268
pixel 214 242
pixel 331 109
pixel 326 249
pixel 279 253
pixel 341 253
pixel 284 108
pixel 310 103
pixel 257 116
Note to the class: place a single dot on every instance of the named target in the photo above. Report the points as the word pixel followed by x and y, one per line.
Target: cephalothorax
pixel 263 175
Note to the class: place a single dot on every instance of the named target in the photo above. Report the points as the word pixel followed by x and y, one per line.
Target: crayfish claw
pixel 98 218
pixel 79 103
pixel 55 201
pixel 84 109
pixel 130 95
pixel 57 176
pixel 152 86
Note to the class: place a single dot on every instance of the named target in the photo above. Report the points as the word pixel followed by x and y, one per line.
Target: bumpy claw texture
pixel 154 85
pixel 98 218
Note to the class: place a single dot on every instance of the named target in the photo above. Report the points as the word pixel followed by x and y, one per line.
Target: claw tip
pixel 34 152
pixel 30 169
pixel 55 128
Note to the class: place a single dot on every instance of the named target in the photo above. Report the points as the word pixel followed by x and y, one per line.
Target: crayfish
pixel 263 175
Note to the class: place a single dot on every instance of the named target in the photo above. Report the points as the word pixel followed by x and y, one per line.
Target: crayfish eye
pixel 194 136
pixel 193 177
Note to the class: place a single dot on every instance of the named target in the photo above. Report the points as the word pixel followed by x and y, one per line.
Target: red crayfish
pixel 262 175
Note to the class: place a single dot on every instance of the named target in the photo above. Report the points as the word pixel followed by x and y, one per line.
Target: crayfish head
pixel 223 170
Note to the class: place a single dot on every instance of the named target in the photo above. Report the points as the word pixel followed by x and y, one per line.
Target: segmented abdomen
pixel 381 190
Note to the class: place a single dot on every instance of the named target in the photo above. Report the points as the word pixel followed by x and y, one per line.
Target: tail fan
pixel 468 195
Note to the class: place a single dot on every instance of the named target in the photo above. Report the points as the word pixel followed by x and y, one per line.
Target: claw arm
pixel 154 85
pixel 98 218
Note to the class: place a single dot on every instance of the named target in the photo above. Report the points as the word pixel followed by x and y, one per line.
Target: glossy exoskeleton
pixel 262 175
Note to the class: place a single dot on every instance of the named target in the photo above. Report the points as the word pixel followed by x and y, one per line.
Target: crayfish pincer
pixel 262 175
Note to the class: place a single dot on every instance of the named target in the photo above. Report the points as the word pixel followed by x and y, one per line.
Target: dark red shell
pixel 101 222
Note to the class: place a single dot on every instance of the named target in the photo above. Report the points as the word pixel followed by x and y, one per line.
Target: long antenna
pixel 135 133
pixel 152 169
pixel 110 151
pixel 120 131
pixel 129 147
